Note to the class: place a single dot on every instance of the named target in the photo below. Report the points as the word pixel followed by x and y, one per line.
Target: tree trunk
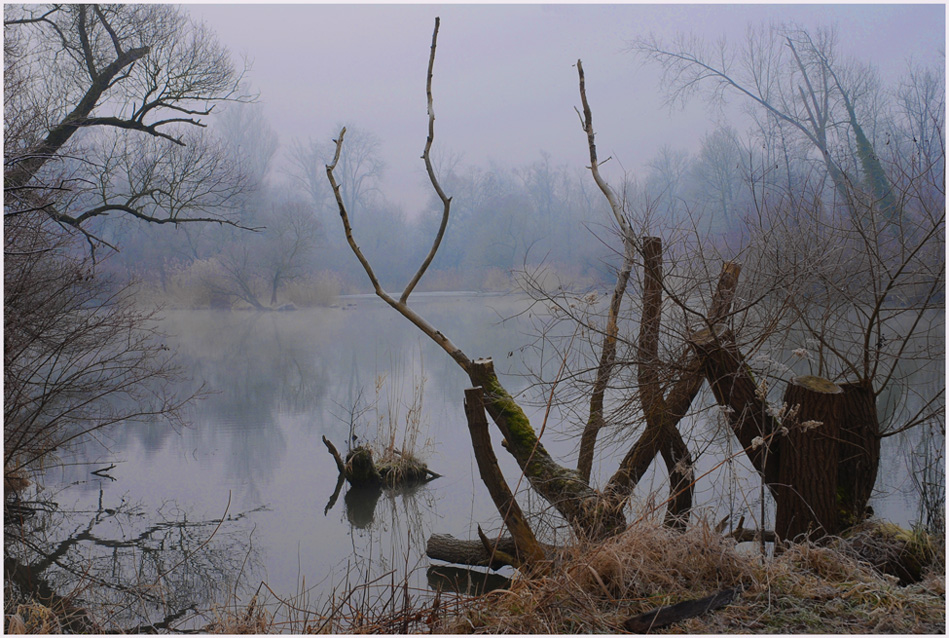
pixel 858 452
pixel 821 478
pixel 273 290
pixel 527 547
pixel 806 492
pixel 454 550
pixel 736 390
pixel 589 515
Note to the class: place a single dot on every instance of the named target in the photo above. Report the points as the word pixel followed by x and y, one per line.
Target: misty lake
pixel 253 452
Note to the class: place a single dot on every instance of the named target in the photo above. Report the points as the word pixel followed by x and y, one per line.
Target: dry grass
pixel 594 588
pixel 807 589
pixel 252 619
pixel 320 289
pixel 32 618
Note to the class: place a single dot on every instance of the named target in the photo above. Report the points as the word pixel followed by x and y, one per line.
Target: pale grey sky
pixel 504 85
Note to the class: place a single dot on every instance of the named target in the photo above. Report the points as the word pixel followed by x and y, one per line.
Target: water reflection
pixel 464 581
pixel 361 505
pixel 121 565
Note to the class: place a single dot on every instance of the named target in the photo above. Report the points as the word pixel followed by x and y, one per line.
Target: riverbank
pixel 807 589
pixel 599 588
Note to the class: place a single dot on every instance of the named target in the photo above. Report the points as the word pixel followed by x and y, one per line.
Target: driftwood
pixel 664 616
pixel 447 548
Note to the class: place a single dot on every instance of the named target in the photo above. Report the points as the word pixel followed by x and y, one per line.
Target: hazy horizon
pixel 504 84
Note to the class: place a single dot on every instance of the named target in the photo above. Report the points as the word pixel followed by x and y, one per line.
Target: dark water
pixel 253 453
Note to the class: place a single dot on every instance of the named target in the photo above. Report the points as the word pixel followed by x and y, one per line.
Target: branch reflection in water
pixel 122 566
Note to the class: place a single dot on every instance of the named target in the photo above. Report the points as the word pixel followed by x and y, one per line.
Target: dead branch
pixel 446 201
pixel 562 487
pixel 527 547
pixel 604 370
pixel 401 305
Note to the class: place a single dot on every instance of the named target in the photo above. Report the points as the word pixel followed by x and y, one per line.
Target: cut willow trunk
pixel 664 410
pixel 821 465
pixel 830 468
pixel 805 494
pixel 858 452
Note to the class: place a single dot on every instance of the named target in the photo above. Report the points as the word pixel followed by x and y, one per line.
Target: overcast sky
pixel 505 87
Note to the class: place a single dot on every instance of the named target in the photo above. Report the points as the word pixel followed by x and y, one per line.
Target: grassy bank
pixel 806 589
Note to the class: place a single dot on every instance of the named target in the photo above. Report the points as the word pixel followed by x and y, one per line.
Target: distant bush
pixel 320 289
pixel 193 285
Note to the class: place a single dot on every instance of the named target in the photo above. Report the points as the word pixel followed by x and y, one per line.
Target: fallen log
pixel 665 616
pixel 447 548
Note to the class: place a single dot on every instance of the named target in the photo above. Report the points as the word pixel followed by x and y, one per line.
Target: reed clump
pixel 252 619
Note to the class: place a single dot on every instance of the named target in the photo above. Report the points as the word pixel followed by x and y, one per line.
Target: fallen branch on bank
pixel 665 616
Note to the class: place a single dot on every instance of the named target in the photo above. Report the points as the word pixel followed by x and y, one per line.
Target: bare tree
pixel 824 277
pixel 360 169
pixel 103 109
pixel 104 96
pixel 848 274
pixel 795 79
pixel 590 513
pixel 78 355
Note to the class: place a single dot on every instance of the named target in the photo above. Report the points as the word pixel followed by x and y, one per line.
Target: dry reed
pixel 805 589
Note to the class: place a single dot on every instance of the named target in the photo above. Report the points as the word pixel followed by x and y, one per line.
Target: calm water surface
pixel 278 382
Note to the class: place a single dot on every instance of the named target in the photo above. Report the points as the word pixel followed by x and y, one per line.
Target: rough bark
pixel 806 491
pixel 527 549
pixel 821 478
pixel 660 435
pixel 461 552
pixel 858 452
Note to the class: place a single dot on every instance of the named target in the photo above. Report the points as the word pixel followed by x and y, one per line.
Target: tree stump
pixel 806 491
pixel 360 469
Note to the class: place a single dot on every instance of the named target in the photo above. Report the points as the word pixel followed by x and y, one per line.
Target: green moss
pixel 520 433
